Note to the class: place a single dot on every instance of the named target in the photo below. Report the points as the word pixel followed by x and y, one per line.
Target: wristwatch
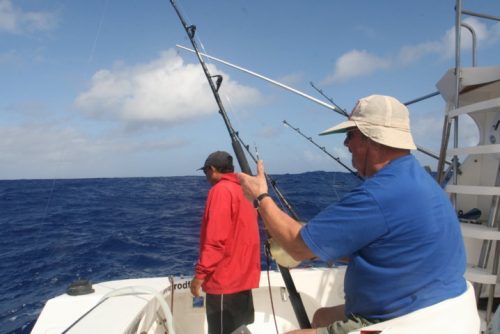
pixel 256 202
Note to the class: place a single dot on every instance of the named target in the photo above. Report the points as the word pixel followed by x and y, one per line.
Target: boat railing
pixel 454 120
pixel 156 311
pixel 158 297
pixel 464 98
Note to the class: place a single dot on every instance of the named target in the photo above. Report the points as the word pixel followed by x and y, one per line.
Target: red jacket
pixel 229 240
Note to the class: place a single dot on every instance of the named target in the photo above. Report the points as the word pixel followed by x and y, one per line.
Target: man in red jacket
pixel 229 263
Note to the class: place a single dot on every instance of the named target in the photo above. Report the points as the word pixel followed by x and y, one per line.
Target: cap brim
pixel 339 128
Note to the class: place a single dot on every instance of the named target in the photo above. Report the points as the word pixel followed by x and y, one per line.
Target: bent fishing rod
pixel 322 148
pixel 295 298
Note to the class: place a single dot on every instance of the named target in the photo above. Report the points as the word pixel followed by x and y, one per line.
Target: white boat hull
pixel 137 313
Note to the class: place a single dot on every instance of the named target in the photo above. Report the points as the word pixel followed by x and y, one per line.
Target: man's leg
pixel 214 313
pixel 238 310
pixel 327 315
pixel 227 312
pixel 339 327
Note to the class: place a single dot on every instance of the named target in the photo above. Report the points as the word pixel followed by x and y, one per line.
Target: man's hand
pixel 196 286
pixel 253 186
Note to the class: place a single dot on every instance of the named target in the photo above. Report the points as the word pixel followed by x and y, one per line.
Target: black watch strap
pixel 256 202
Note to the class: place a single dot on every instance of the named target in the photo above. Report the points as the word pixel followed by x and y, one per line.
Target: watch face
pixel 256 203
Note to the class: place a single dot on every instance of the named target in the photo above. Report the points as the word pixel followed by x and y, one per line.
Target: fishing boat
pixel 165 304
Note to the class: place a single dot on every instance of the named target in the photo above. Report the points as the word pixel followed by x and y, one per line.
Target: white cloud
pixel 429 123
pixel 33 142
pixel 163 91
pixel 48 143
pixel 357 63
pixel 292 78
pixel 15 20
pixel 42 150
pixel 427 129
pixel 484 34
pixel 268 132
pixel 411 53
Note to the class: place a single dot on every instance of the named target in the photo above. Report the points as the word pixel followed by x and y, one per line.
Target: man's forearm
pixel 284 230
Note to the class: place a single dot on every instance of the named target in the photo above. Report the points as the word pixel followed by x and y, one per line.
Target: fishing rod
pixel 272 182
pixel 191 30
pixel 322 148
pixel 419 148
pixel 333 106
pixel 295 298
pixel 329 99
pixel 425 97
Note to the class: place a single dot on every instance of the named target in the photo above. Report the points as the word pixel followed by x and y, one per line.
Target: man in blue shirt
pixel 397 228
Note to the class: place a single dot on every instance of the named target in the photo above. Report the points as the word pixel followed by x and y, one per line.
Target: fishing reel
pixel 278 254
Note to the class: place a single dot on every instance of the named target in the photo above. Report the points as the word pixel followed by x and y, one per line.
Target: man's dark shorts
pixel 225 313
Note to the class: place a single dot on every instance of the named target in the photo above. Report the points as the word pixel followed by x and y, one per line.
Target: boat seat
pixel 456 315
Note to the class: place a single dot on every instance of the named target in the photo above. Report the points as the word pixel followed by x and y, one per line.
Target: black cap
pixel 221 160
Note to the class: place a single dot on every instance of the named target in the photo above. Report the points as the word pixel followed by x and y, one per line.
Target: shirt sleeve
pixel 345 227
pixel 218 225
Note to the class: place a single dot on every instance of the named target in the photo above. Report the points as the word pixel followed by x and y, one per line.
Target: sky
pixel 98 88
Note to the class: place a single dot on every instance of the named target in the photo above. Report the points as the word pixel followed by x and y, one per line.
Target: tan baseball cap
pixel 381 118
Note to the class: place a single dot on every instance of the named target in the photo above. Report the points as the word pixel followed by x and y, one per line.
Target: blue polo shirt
pixel 403 239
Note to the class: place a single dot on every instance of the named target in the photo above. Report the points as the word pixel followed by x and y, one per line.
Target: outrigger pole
pixel 295 298
pixel 293 90
pixel 332 106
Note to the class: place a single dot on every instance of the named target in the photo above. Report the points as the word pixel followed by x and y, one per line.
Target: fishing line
pixel 280 196
pixel 268 269
pixel 281 201
pixel 48 204
pixel 63 152
pixel 98 33
pixel 49 200
pixel 323 149
pixel 335 187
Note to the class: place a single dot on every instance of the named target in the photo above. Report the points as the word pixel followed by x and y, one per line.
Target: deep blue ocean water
pixel 56 231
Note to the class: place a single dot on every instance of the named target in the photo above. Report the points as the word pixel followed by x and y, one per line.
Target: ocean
pixel 54 232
